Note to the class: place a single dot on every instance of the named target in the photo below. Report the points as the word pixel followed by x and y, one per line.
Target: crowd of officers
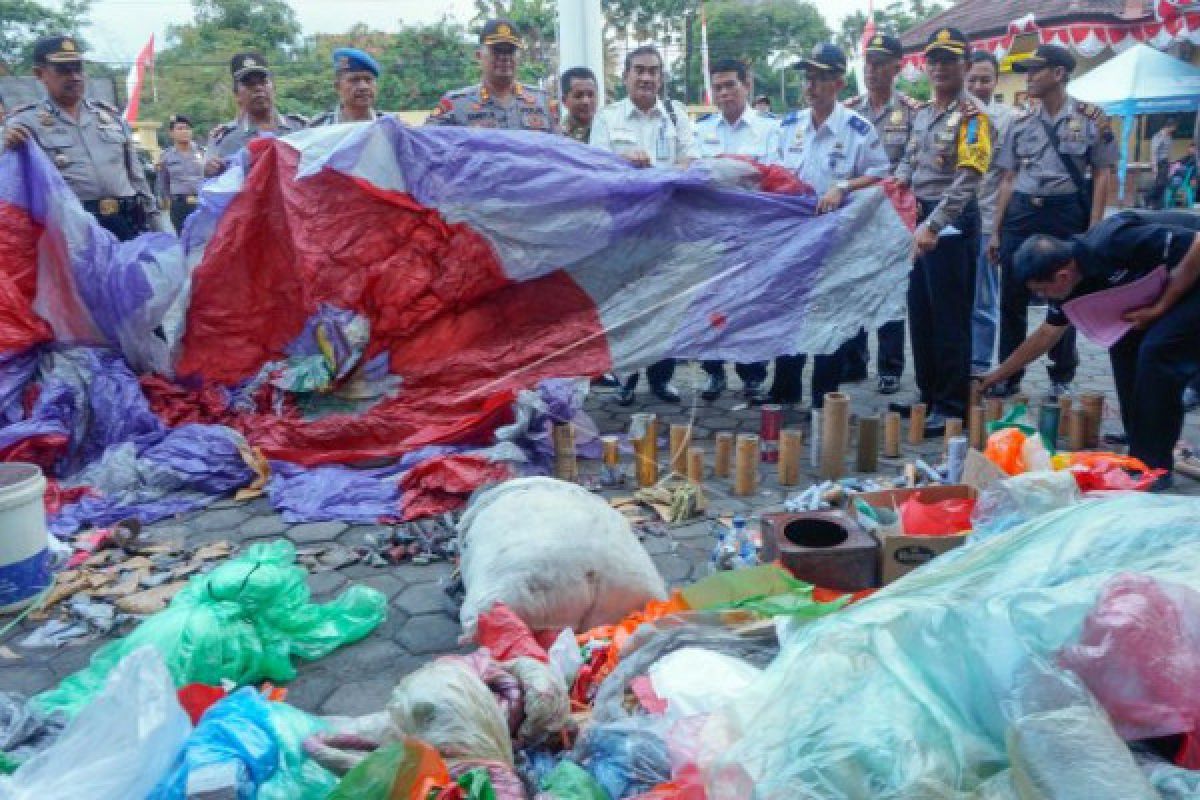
pixel 991 183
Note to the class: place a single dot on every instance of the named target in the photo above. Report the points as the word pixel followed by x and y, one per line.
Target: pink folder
pixel 1099 315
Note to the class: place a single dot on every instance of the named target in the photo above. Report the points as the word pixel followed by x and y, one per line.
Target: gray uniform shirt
pixel 527 109
pixel 1160 146
pixel 1083 136
pixel 95 154
pixel 947 156
pixel 180 173
pixel 893 122
pixel 335 118
pixel 1001 116
pixel 231 137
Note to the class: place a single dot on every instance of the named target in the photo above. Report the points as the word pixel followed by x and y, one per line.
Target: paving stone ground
pixel 422 621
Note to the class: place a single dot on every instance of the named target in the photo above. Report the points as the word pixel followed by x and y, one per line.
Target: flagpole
pixel 153 71
pixel 708 98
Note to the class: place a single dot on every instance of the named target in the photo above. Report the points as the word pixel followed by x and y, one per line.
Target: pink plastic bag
pixel 1139 654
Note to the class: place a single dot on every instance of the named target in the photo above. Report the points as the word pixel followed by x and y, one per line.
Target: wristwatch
pixel 842 186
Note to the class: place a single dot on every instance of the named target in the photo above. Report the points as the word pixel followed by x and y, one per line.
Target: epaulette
pixel 709 115
pixel 297 119
pixel 532 89
pixel 220 132
pixel 463 92
pixel 859 125
pixel 320 119
pixel 1091 111
pixel 855 102
pixel 22 109
pixel 109 107
pixel 791 118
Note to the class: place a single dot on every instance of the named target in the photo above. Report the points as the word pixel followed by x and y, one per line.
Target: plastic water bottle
pixel 714 558
pixel 745 554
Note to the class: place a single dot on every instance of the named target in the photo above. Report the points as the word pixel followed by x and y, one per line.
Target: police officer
pixel 254 91
pixel 499 101
pixel 1160 155
pixel 1152 362
pixel 647 130
pixel 578 86
pixel 180 171
pixel 836 151
pixel 948 153
pixel 735 129
pixel 356 75
pixel 1044 156
pixel 87 140
pixel 891 112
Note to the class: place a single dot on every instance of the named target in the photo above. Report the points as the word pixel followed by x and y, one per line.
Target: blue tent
pixel 1141 80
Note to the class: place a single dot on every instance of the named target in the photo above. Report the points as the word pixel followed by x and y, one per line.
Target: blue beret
pixel 351 59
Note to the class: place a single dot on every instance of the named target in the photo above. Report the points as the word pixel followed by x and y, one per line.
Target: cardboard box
pixel 900 552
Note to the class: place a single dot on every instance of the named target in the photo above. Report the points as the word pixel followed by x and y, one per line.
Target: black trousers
pixel 180 211
pixel 941 294
pixel 124 224
pixel 1056 216
pixel 754 372
pixel 1161 178
pixel 1151 369
pixel 889 358
pixel 659 374
pixel 787 387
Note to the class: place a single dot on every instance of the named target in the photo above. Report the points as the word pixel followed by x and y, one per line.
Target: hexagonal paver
pixel 389 584
pixel 673 568
pixel 430 633
pixel 423 598
pixel 316 532
pixel 422 573
pixel 370 657
pixel 26 680
pixel 312 687
pixel 260 526
pixel 227 520
pixel 357 534
pixel 326 583
pixel 658 545
pixel 166 531
pixel 359 697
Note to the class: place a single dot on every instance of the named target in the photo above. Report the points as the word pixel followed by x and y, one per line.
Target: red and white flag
pixel 133 81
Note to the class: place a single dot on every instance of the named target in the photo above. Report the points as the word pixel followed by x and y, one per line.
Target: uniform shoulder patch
pixel 859 125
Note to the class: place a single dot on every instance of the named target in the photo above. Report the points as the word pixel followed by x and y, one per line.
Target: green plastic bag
pixel 569 781
pixel 242 622
pixel 372 779
pixel 299 777
pixel 767 591
pixel 477 784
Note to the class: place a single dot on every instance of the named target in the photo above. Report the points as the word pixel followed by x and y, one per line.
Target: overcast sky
pixel 121 27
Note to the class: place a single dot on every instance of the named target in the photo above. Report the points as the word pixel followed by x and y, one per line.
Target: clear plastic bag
pixel 245 621
pixel 116 748
pixel 626 757
pixel 554 553
pixel 1019 499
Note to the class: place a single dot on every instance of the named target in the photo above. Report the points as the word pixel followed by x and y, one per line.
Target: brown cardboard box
pixel 900 553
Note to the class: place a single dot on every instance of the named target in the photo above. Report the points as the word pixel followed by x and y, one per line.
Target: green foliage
pixel 22 22
pixel 270 24
pixel 895 18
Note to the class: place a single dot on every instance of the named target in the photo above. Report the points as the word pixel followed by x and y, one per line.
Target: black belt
pixel 926 207
pixel 186 199
pixel 111 206
pixel 1048 200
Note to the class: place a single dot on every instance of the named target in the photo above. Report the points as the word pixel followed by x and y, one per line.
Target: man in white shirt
pixel 647 131
pixel 835 151
pixel 735 129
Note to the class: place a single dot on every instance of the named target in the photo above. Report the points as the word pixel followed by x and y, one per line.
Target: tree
pixel 270 24
pixel 22 22
pixel 895 18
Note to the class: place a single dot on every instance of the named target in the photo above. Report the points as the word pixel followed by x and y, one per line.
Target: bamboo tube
pixel 954 428
pixel 723 460
pixel 695 465
pixel 791 449
pixel 976 394
pixel 612 452
pixel 891 435
pixel 868 445
pixel 566 468
pixel 1065 404
pixel 1093 406
pixel 916 424
pixel 977 432
pixel 1077 429
pixel 745 480
pixel 644 434
pixel 995 408
pixel 835 435
pixel 681 440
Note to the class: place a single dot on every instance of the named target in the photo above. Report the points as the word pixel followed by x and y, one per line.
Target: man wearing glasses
pixel 499 101
pixel 87 140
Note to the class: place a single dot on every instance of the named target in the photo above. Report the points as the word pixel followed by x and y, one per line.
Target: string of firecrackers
pixel 1090 39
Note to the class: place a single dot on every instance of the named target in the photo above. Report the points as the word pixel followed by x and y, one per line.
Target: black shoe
pixel 716 385
pixel 666 392
pixel 903 409
pixel 935 424
pixel 889 384
pixel 753 391
pixel 1003 389
pixel 606 381
pixel 1116 438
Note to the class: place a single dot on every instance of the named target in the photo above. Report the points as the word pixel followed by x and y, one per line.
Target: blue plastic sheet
pixel 927 688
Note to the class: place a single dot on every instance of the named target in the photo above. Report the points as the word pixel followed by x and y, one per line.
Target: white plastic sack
pixel 556 554
pixel 118 747
pixel 697 681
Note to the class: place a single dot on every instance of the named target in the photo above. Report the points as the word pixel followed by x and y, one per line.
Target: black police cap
pixel 1047 55
pixel 57 50
pixel 826 57
pixel 499 31
pixel 244 64
pixel 885 44
pixel 948 40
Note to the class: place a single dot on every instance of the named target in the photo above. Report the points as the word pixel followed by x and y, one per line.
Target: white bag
pixel 118 747
pixel 556 554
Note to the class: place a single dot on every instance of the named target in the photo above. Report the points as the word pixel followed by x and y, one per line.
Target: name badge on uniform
pixel 897 118
pixel 663 151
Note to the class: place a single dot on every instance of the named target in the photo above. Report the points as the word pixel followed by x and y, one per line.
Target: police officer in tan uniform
pixel 891 112
pixel 180 172
pixel 499 101
pixel 948 154
pixel 255 93
pixel 87 140
pixel 1044 189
